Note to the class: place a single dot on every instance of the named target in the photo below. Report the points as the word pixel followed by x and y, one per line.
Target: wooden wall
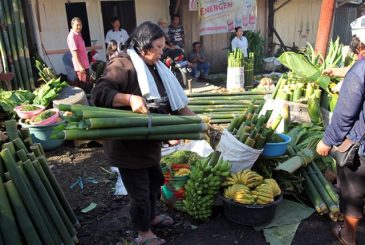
pixel 297 21
pixel 216 46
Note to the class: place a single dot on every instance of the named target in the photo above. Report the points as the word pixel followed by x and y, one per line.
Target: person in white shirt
pixel 118 34
pixel 240 41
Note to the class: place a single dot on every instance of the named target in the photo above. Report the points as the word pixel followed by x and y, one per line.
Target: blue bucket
pixel 276 149
pixel 42 134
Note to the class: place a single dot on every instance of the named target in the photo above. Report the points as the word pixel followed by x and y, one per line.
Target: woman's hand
pixel 138 104
pixel 322 149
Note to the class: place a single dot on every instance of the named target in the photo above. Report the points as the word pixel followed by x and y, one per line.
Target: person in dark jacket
pixel 139 161
pixel 348 121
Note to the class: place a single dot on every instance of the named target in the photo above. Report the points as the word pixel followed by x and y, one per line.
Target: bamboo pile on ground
pixel 33 208
pixel 223 107
pixel 92 123
pixel 14 44
pixel 320 192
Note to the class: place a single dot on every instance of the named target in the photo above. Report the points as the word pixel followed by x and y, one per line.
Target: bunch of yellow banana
pixel 264 194
pixel 182 172
pixel 244 196
pixel 246 177
pixel 274 186
pixel 230 191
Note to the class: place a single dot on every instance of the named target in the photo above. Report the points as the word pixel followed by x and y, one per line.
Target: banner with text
pixel 220 16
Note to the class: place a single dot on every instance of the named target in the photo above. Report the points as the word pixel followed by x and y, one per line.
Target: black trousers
pixel 144 190
pixel 351 186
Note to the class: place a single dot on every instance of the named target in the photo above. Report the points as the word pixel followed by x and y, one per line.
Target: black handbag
pixel 346 153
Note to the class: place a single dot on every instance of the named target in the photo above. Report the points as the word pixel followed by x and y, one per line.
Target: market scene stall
pixel 182 122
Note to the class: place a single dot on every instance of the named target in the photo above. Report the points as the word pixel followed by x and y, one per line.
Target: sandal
pixel 150 241
pixel 164 221
pixel 337 231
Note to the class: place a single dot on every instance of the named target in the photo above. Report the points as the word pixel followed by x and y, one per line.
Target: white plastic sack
pixel 238 154
pixel 235 77
pixel 119 186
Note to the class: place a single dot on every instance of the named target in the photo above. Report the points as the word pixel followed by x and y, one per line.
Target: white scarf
pixel 177 98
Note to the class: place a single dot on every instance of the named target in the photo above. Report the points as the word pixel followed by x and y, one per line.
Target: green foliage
pixel 256 44
pixel 10 99
pixel 188 157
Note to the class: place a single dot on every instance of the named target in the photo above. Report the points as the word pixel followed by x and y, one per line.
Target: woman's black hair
pixel 355 44
pixel 142 38
pixel 237 28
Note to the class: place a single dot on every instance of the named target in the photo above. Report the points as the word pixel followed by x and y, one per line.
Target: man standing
pixel 197 58
pixel 117 34
pixel 176 32
pixel 77 48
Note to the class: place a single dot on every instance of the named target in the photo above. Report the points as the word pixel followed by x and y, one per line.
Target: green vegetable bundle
pixel 10 99
pixel 251 129
pixel 48 91
pixel 235 58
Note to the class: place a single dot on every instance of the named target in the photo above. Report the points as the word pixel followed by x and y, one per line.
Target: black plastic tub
pixel 253 215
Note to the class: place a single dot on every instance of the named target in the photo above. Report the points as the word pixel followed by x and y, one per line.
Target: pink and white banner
pixel 193 5
pixel 221 16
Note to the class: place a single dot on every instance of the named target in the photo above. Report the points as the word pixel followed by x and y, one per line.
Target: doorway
pixel 79 10
pixel 124 10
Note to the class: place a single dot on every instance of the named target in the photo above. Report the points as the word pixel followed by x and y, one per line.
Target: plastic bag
pixel 235 77
pixel 238 154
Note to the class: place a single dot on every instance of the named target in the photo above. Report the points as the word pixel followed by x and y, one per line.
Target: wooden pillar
pixel 324 26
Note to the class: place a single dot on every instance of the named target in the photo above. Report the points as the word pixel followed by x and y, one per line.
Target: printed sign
pixel 193 5
pixel 221 16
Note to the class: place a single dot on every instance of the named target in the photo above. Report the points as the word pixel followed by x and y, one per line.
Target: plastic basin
pixel 42 134
pixel 255 215
pixel 28 114
pixel 276 149
pixel 49 121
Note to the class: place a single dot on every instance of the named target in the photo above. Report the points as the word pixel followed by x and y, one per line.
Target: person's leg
pixel 195 71
pixel 349 229
pixel 205 68
pixel 156 181
pixel 84 81
pixel 137 183
pixel 350 184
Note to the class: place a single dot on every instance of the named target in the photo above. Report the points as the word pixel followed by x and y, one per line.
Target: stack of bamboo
pixel 92 123
pixel 223 107
pixel 33 208
pixel 14 51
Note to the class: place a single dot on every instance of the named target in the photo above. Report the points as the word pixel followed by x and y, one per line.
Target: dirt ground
pixel 109 222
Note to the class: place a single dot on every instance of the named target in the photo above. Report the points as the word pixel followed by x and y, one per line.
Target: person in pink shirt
pixel 78 50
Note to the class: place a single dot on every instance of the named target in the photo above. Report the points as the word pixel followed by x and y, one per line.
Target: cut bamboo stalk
pixel 58 190
pixel 25 194
pixel 8 226
pixel 48 203
pixel 25 223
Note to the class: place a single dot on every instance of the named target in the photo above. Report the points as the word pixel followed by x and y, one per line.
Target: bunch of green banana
pixel 264 194
pixel 246 177
pixel 274 186
pixel 203 185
